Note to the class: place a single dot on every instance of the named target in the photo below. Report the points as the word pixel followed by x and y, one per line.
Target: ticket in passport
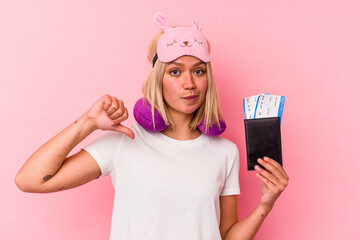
pixel 263 106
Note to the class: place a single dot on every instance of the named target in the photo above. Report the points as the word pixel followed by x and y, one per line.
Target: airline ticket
pixel 263 105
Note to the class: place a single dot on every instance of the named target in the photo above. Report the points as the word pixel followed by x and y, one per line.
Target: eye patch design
pixel 186 43
pixel 170 44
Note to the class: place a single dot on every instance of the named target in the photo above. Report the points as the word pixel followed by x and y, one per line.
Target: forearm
pixel 47 160
pixel 247 228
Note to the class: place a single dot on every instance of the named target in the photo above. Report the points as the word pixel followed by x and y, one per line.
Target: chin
pixel 189 110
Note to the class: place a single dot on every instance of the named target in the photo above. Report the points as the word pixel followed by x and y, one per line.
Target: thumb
pixel 126 130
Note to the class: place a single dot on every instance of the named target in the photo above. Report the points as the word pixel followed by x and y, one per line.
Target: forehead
pixel 186 61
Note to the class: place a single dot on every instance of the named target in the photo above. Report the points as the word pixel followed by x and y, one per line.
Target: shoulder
pixel 118 136
pixel 111 136
pixel 222 147
pixel 139 131
pixel 107 140
pixel 222 142
pixel 111 140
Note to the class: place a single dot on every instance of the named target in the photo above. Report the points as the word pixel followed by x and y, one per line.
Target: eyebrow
pixel 180 64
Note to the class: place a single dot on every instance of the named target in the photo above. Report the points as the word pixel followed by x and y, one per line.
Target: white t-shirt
pixel 166 189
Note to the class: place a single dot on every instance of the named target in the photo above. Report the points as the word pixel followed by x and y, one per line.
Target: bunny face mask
pixel 180 41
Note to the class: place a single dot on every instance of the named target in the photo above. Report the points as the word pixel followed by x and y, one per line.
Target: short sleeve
pixel 104 150
pixel 232 186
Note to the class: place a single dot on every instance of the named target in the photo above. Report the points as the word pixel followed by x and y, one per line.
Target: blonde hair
pixel 152 90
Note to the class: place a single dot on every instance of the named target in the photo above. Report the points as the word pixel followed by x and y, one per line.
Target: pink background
pixel 58 57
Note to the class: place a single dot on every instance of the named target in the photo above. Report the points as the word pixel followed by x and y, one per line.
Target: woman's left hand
pixel 274 180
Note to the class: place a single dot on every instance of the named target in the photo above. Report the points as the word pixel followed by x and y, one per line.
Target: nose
pixel 186 43
pixel 188 81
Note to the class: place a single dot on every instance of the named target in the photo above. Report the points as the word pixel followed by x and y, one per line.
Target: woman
pixel 171 183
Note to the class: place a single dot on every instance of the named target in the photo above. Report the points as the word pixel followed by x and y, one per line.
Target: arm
pixel 247 228
pixel 43 167
pixel 231 228
pixel 228 214
pixel 274 180
pixel 48 169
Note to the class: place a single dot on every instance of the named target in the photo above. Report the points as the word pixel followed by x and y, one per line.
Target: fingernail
pixel 266 158
pixel 260 160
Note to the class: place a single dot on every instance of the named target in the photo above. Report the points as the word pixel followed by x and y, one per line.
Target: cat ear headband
pixel 174 43
pixel 179 41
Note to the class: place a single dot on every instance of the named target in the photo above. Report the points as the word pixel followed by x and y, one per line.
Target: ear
pixel 161 20
pixel 196 25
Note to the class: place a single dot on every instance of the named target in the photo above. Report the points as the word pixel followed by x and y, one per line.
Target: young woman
pixel 174 178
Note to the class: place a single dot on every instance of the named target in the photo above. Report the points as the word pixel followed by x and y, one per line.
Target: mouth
pixel 190 97
pixel 186 45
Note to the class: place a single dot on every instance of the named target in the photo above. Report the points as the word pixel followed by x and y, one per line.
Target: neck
pixel 181 130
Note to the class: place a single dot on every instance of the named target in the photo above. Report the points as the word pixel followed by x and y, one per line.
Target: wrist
pixel 265 208
pixel 87 124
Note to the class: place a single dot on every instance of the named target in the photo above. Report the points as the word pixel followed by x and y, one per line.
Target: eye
pixel 170 44
pixel 199 72
pixel 198 41
pixel 174 72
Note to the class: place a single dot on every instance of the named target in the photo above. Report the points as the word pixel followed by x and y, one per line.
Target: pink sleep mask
pixel 180 41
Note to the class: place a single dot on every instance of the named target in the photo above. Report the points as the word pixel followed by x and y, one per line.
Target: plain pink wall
pixel 58 57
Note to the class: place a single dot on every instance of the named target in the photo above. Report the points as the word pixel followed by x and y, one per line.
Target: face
pixel 185 84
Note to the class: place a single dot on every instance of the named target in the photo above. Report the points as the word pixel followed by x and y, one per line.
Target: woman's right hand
pixel 108 113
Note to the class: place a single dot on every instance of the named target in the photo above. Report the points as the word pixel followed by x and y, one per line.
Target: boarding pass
pixel 263 106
